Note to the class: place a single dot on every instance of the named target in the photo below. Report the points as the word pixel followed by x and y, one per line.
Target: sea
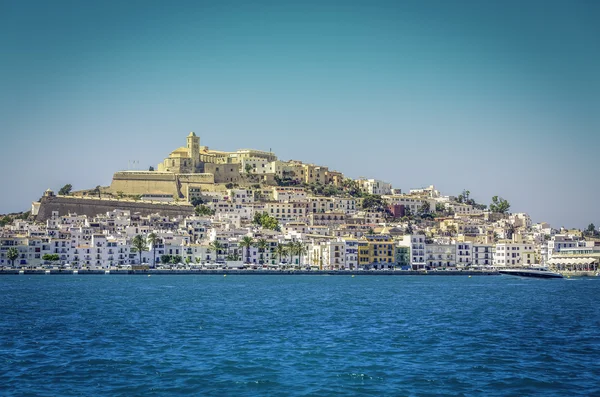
pixel 292 335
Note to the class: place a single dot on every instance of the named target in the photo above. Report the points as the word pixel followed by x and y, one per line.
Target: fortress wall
pixel 94 206
pixel 197 178
pixel 144 182
pixel 203 181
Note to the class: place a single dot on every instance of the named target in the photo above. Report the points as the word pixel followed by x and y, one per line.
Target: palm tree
pixel 291 248
pixel 452 230
pixel 281 251
pixel 217 246
pixel 262 244
pixel 247 242
pixel 153 240
pixel 234 257
pixel 300 250
pixel 139 245
pixel 11 255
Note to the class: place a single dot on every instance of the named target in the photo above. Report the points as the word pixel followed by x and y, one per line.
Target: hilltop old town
pixel 207 209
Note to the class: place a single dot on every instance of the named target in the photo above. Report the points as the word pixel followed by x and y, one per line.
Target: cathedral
pixel 194 158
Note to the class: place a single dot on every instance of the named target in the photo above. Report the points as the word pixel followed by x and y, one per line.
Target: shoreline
pixel 249 272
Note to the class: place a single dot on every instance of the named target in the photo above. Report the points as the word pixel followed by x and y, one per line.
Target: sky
pixel 499 98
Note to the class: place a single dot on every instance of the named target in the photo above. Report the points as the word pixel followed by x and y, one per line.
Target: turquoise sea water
pixel 298 335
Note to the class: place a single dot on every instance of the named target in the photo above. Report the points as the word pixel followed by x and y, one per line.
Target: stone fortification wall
pixel 94 206
pixel 196 178
pixel 140 182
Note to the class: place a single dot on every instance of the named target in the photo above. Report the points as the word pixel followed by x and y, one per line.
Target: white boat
pixel 539 272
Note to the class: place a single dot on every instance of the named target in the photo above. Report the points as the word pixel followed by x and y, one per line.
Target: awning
pixel 571 261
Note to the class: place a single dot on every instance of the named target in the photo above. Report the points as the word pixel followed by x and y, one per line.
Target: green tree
pixel 247 242
pixel 300 249
pixel 466 195
pixel 591 230
pixel 5 221
pixel 153 240
pixel 232 257
pixel 203 210
pixel 65 190
pixel 11 255
pixel 175 259
pixel 499 205
pixel 24 216
pixel 423 210
pixel 97 190
pixel 352 188
pixel 262 245
pixel 151 168
pixel 139 245
pixel 374 202
pixel 51 257
pixel 280 250
pixel 291 249
pixel 266 221
pixel 165 259
pixel 217 247
pixel 196 201
pixel 452 230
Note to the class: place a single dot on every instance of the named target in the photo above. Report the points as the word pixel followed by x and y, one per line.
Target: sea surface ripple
pixel 298 335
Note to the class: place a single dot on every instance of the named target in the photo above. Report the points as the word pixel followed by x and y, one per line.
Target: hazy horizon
pixel 499 99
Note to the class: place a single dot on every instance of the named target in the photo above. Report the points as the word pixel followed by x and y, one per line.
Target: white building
pixel 375 186
pixel 440 256
pixel 417 251
pixel 514 254
pixel 464 253
pixel 561 242
pixel 345 205
pixel 483 255
pixel 351 253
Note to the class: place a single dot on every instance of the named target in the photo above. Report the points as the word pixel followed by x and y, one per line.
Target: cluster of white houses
pixel 333 233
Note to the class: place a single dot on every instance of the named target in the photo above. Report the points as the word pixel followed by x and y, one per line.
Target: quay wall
pixel 94 206
pixel 253 272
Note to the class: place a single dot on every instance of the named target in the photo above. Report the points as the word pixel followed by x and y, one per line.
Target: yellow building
pixel 194 158
pixel 315 173
pixel 183 160
pixel 334 178
pixel 379 250
pixel 193 168
pixel 363 253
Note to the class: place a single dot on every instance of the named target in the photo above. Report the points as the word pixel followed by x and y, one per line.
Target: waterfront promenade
pixel 250 272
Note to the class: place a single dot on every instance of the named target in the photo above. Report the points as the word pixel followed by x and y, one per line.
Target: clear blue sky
pixel 495 97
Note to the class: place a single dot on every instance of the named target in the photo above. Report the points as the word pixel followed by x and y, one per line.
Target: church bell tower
pixel 193 147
